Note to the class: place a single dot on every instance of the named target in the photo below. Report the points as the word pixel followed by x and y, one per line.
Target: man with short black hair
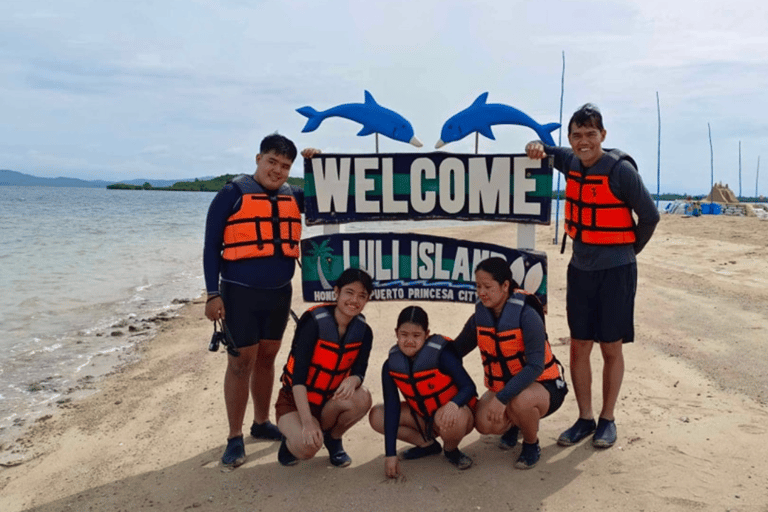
pixel 603 191
pixel 252 237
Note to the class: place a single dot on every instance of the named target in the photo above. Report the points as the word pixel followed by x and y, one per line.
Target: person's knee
pixel 268 350
pixel 362 398
pixel 376 418
pixel 580 349
pixel 240 367
pixel 612 352
pixel 360 405
pixel 483 425
pixel 303 451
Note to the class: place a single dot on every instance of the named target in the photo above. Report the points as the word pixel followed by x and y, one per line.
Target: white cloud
pixel 192 87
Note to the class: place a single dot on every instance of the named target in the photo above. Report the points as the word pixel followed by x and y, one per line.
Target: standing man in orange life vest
pixel 603 191
pixel 252 236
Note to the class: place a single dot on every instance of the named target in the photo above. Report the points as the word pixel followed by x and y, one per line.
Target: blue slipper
pixel 529 456
pixel 339 457
pixel 581 429
pixel 509 438
pixel 266 430
pixel 234 455
pixel 285 457
pixel 459 459
pixel 605 435
pixel 418 452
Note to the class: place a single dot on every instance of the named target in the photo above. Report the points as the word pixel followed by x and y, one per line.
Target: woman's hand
pixel 311 434
pixel 392 466
pixel 446 416
pixel 495 411
pixel 346 388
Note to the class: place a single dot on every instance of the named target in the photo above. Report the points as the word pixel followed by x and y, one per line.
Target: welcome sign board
pixel 396 186
pixel 407 266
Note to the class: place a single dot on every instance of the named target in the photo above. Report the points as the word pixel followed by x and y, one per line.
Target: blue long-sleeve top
pixel 264 273
pixel 627 185
pixel 450 364
pixel 534 340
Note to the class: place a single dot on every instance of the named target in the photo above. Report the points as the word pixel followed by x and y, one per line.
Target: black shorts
pixel 601 303
pixel 255 314
pixel 557 389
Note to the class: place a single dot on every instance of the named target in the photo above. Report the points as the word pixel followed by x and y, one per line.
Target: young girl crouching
pixel 322 394
pixel 439 395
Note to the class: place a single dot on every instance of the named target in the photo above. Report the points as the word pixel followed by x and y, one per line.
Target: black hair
pixel 278 144
pixel 587 115
pixel 355 275
pixel 413 315
pixel 499 270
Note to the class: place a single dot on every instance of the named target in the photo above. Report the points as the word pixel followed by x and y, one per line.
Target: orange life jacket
pixel 262 223
pixel 502 346
pixel 421 382
pixel 593 214
pixel 332 358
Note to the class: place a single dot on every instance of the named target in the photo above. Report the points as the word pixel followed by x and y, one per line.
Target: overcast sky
pixel 178 89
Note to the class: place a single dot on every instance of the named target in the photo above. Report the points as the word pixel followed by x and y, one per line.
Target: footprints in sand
pixel 753 429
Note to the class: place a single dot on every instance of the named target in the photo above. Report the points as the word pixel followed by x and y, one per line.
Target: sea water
pixel 85 275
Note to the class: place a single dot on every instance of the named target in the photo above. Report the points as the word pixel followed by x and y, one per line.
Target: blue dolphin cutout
pixel 479 117
pixel 373 117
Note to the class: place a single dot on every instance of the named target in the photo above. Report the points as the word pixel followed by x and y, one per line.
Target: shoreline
pixel 52 394
pixel 691 420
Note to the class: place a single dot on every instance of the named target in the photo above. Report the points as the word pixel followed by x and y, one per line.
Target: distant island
pixel 207 184
pixel 212 185
pixel 19 179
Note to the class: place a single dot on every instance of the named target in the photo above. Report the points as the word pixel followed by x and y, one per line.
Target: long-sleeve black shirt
pixel 627 185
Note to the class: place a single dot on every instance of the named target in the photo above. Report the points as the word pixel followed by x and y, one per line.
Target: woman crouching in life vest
pixel 322 394
pixel 439 395
pixel 524 380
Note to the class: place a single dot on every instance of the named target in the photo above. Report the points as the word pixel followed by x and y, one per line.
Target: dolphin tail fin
pixel 545 132
pixel 314 118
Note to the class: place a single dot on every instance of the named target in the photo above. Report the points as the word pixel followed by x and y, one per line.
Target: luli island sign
pixel 406 266
pixel 353 188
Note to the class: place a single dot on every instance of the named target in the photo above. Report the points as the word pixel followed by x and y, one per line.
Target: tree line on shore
pixel 216 184
pixel 212 185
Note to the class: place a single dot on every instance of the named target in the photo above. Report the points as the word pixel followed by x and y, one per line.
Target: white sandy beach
pixel 692 417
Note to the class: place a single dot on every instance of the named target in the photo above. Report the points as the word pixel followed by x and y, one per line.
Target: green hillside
pixel 212 185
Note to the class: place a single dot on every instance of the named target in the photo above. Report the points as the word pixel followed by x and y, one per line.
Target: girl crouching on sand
pixel 439 395
pixel 322 394
pixel 524 379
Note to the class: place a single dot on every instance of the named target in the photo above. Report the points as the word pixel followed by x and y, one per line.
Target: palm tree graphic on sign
pixel 322 255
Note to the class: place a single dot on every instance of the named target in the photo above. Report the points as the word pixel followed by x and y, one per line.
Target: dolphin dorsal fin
pixel 369 99
pixel 481 100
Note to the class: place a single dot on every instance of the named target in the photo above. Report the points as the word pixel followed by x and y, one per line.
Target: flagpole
pixel 559 143
pixel 711 160
pixel 658 153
